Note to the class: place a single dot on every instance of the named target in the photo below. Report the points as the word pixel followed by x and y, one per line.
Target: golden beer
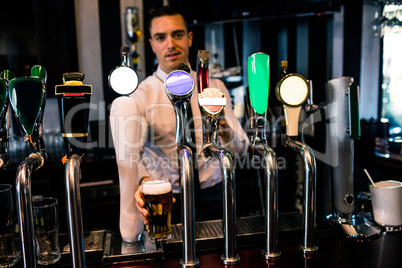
pixel 158 198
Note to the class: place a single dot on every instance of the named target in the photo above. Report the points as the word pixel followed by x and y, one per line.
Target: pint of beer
pixel 158 198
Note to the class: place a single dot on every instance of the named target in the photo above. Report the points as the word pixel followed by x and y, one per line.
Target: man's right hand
pixel 139 203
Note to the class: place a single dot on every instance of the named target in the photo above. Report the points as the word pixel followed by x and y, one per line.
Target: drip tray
pixel 209 237
pixel 250 232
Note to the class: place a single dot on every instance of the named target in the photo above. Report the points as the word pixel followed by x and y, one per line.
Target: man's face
pixel 170 41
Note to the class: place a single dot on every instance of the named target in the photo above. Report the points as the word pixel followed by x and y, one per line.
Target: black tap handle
pixel 73 76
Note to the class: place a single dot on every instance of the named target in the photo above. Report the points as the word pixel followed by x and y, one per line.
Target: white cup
pixel 386 198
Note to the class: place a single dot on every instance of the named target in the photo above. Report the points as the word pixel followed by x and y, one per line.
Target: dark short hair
pixel 166 11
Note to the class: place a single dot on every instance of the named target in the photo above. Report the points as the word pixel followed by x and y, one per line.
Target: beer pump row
pixel 292 90
pixel 27 97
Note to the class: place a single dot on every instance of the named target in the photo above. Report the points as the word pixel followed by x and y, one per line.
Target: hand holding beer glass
pixel 158 199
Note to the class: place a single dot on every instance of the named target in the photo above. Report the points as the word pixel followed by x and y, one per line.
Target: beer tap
pixel 257 101
pixel 212 103
pixel 179 88
pixel 343 106
pixel 74 98
pixel 124 80
pixel 5 77
pixel 27 97
pixel 292 91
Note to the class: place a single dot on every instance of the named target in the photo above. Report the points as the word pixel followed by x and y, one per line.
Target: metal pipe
pixel 187 209
pixel 73 175
pixel 24 203
pixel 229 257
pixel 270 166
pixel 309 186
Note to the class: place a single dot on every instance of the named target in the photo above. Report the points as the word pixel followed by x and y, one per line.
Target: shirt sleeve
pixel 128 128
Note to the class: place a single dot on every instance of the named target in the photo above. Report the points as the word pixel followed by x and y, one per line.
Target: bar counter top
pixel 334 250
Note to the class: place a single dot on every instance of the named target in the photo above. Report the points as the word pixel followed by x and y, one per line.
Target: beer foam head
pixel 154 187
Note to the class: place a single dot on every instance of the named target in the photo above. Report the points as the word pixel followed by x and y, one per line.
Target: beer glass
pixel 158 198
pixel 46 227
pixel 8 252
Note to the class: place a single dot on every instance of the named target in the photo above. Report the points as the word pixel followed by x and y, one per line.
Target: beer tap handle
pixel 74 97
pixel 258 70
pixel 202 70
pixel 179 87
pixel 292 91
pixel 258 76
pixel 123 79
pixel 27 97
pixel 5 77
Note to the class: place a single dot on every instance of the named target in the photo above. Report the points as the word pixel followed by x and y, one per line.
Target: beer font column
pixel 5 77
pixel 74 98
pixel 343 107
pixel 258 69
pixel 27 98
pixel 212 103
pixel 124 80
pixel 179 87
pixel 292 91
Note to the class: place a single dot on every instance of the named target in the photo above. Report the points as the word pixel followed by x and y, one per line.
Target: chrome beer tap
pixel 27 97
pixel 292 91
pixel 179 88
pixel 343 105
pixel 212 108
pixel 257 101
pixel 74 98
pixel 124 80
pixel 5 77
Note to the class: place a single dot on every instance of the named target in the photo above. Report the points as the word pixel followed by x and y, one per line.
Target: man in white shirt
pixel 170 41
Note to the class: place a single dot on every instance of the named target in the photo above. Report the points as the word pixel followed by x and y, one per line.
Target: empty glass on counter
pixel 8 252
pixel 46 227
pixel 158 198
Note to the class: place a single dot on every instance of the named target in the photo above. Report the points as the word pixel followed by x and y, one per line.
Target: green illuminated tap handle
pixel 39 71
pixel 7 75
pixel 27 95
pixel 354 119
pixel 258 71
